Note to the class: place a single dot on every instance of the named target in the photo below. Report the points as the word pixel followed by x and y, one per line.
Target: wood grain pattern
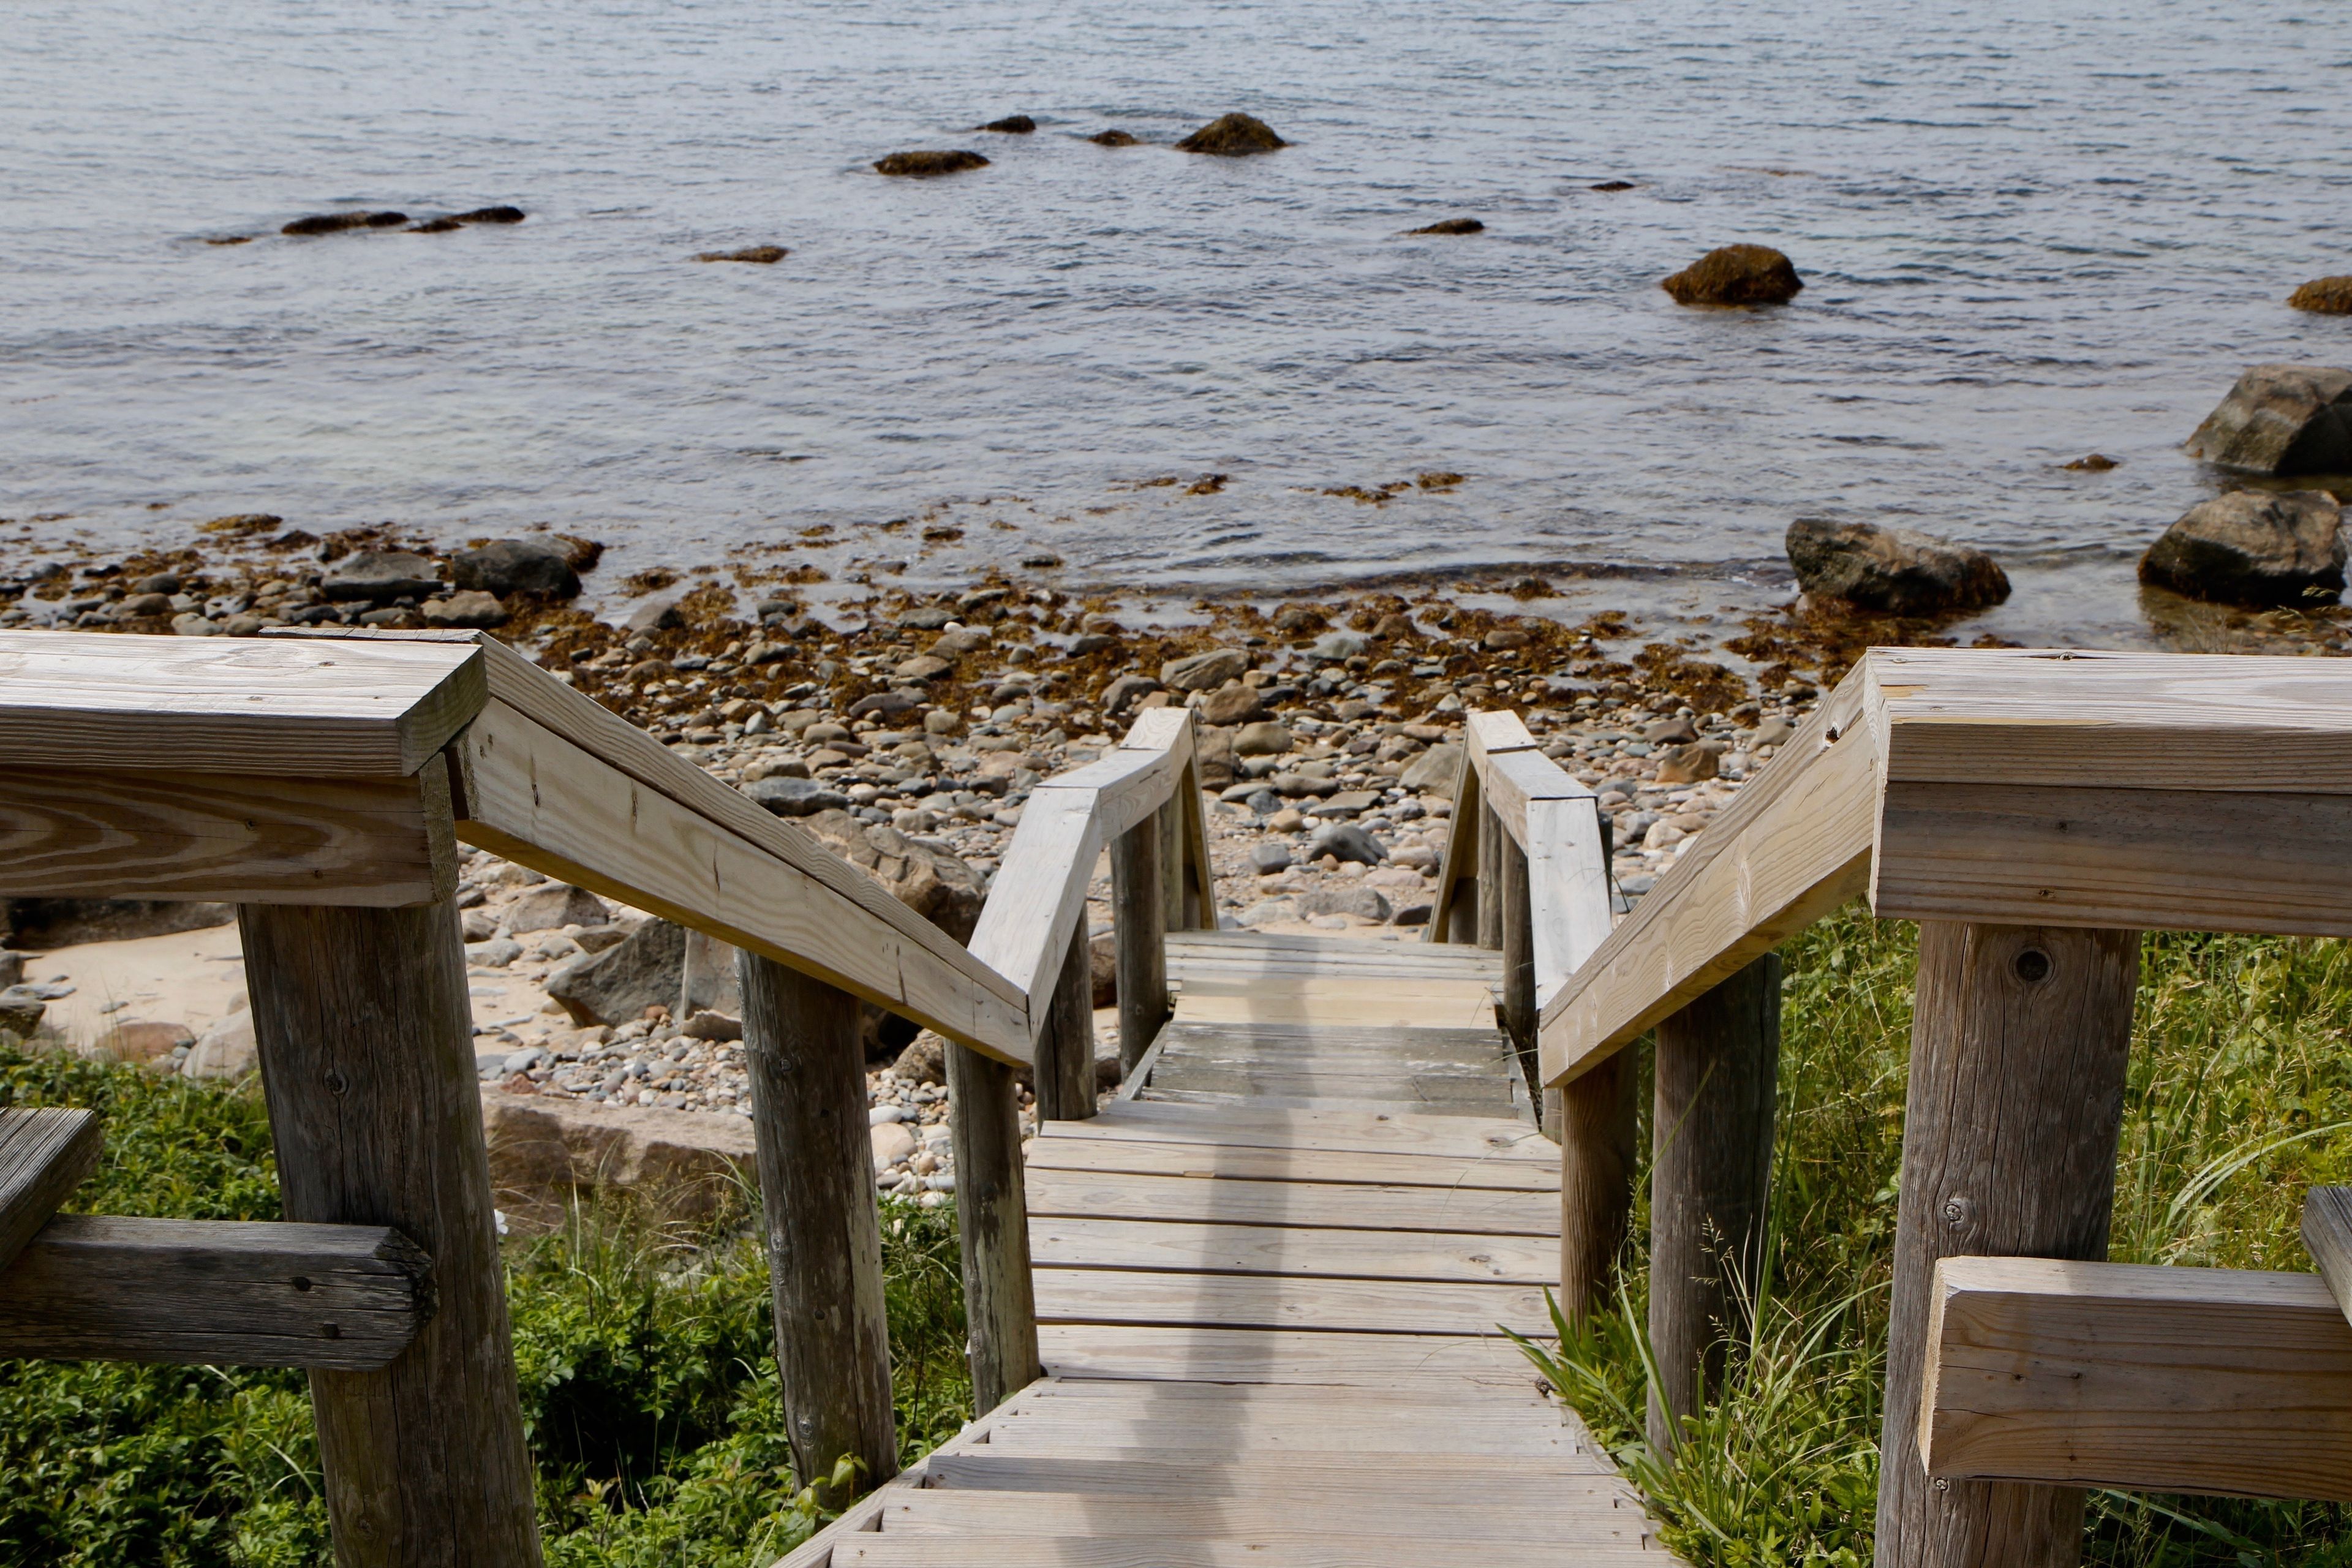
pixel 233 705
pixel 948 1510
pixel 1290 1164
pixel 1039 895
pixel 345 1298
pixel 1064 1075
pixel 2328 1236
pixel 2110 1374
pixel 1277 1550
pixel 531 796
pixel 1077 1241
pixel 1261 1301
pixel 45 1153
pixel 992 1222
pixel 1139 933
pixel 1354 1206
pixel 2020 1041
pixel 802 1051
pixel 236 838
pixel 1495 1138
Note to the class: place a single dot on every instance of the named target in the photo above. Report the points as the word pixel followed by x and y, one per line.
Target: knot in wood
pixel 336 1081
pixel 2032 965
pixel 1958 1212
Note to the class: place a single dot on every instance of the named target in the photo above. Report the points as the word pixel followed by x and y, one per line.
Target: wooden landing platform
pixel 1272 1284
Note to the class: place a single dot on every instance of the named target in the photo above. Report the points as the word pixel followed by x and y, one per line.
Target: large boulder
pixel 1893 569
pixel 620 983
pixel 2280 419
pixel 1434 772
pixel 2253 548
pixel 1735 274
pixel 924 164
pixel 1204 671
pixel 505 567
pixel 2325 296
pixel 932 882
pixel 1233 136
pixel 380 576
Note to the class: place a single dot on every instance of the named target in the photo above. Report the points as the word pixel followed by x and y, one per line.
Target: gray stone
pixel 495 953
pixel 886 704
pixel 524 1060
pixel 1773 731
pixel 1232 703
pixel 1347 803
pixel 553 904
pixel 1264 802
pixel 2280 419
pixel 20 1010
pixel 1891 570
pixel 932 882
pixel 2252 547
pixel 928 618
pixel 1346 898
pixel 795 797
pixel 892 1141
pixel 227 1049
pixel 1267 911
pixel 1266 860
pixel 924 1061
pixel 12 967
pixel 1347 842
pixel 69 922
pixel 658 614
pixel 1341 644
pixel 710 1025
pixel 1120 693
pixel 1433 772
pixel 1264 739
pixel 471 609
pixel 960 642
pixel 505 567
pixel 380 576
pixel 619 983
pixel 1204 671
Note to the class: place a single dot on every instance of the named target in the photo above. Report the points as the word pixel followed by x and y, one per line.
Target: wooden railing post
pixel 2019 1040
pixel 1065 1069
pixel 1512 893
pixel 1000 1302
pixel 802 1048
pixel 1170 819
pixel 1491 839
pixel 1140 929
pixel 1716 1066
pixel 366 1035
pixel 1597 1125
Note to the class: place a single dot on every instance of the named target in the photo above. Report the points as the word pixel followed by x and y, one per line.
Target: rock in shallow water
pixel 1233 136
pixel 922 165
pixel 1452 225
pixel 332 223
pixel 759 255
pixel 1736 275
pixel 506 566
pixel 2254 547
pixel 2280 419
pixel 1891 570
pixel 2324 295
pixel 1112 138
pixel 1011 125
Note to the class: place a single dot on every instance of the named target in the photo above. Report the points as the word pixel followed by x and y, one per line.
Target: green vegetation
pixel 2240 1098
pixel 649 1379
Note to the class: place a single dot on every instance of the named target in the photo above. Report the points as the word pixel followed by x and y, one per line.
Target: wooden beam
pixel 344 1297
pixel 1063 1076
pixel 101 701
pixel 1794 844
pixel 45 1155
pixel 1139 938
pixel 530 795
pixel 2328 1236
pixel 992 1223
pixel 1450 920
pixel 236 838
pixel 2112 1374
pixel 2020 1041
pixel 824 1239
pixel 1039 896
pixel 375 1111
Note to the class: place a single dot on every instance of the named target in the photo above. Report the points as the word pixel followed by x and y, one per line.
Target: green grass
pixel 647 1376
pixel 2240 1098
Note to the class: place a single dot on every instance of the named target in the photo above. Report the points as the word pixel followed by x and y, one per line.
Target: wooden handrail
pixel 2127 791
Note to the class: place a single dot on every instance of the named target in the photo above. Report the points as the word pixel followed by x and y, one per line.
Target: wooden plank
pixel 1272 1301
pixel 1063 1079
pixel 1372 1131
pixel 1303 1475
pixel 2328 1236
pixel 1429 1091
pixel 1269 946
pixel 1793 845
pixel 1286 1549
pixel 1490 733
pixel 1567 892
pixel 1533 1518
pixel 1138 928
pixel 45 1153
pixel 533 797
pixel 1070 1241
pixel 1258 1099
pixel 1357 1405
pixel 1435 1004
pixel 1364 1206
pixel 1518 781
pixel 347 1298
pixel 2109 1374
pixel 1128 783
pixel 1211 1160
pixel 1458 1364
pixel 1039 894
pixel 2032 717
pixel 1169 1436
pixel 91 701
pixel 249 837
pixel 2126 856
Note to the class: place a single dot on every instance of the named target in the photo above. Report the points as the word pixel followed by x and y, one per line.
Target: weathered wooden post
pixel 365 1034
pixel 1170 819
pixel 1064 1069
pixel 1466 848
pixel 806 1062
pixel 1000 1303
pixel 1716 1066
pixel 2019 1040
pixel 1596 1179
pixel 1491 839
pixel 1139 927
pixel 1512 893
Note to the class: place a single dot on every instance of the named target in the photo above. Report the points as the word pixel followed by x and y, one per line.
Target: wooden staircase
pixel 1271 1285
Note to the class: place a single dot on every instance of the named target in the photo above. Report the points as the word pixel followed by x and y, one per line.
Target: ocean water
pixel 2027 231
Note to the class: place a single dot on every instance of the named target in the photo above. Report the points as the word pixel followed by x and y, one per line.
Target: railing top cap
pixel 102 701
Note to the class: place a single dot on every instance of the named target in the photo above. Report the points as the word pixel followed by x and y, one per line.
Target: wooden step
pixel 1433 1478
pixel 1315 1204
pixel 1079 1152
pixel 1368 1131
pixel 1534 1519
pixel 1421 1362
pixel 1280 1550
pixel 1264 1301
pixel 1163 1435
pixel 1076 1241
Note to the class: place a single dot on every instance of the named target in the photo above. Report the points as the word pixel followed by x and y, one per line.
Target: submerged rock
pixel 2280 419
pixel 1893 569
pixel 2328 296
pixel 493 215
pixel 763 254
pixel 1453 226
pixel 1011 125
pixel 1735 274
pixel 1112 138
pixel 2096 463
pixel 506 566
pixel 332 223
pixel 922 165
pixel 1233 136
pixel 2252 547
pixel 1614 185
pixel 436 226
